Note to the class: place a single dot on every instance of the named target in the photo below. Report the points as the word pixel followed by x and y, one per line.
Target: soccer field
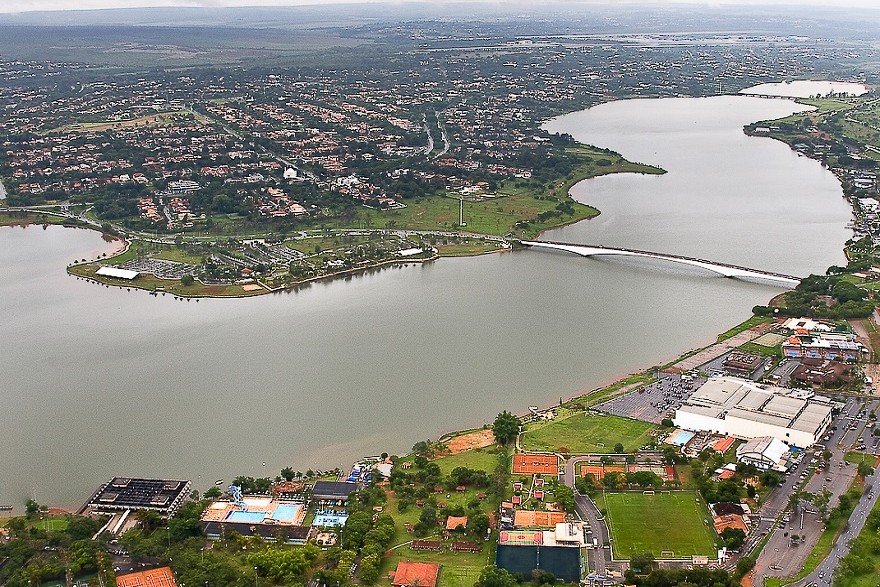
pixel 662 524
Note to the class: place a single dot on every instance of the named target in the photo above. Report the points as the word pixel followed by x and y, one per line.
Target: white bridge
pixel 732 271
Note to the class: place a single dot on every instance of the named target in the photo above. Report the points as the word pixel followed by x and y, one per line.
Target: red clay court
pixel 526 464
pixel 162 577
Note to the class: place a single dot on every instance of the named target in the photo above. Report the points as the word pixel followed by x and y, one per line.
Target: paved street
pixel 824 573
pixel 779 558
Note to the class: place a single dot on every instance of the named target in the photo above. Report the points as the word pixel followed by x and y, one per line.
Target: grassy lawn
pixel 464 249
pixel 658 523
pixel 742 327
pixel 179 255
pixel 171 286
pixel 759 349
pixel 482 459
pixel 24 218
pixel 587 433
pixel 493 216
pixel 456 569
pixel 857 458
pixel 514 201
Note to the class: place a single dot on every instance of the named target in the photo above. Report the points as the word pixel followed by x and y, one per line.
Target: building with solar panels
pixel 121 494
pixel 560 551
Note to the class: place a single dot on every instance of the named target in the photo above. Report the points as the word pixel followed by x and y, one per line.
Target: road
pixel 599 558
pixel 226 128
pixel 778 558
pixel 824 573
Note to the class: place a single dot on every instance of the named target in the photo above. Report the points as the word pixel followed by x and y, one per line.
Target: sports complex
pixel 667 524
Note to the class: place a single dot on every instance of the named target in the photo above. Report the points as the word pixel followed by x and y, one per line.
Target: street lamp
pixel 255 576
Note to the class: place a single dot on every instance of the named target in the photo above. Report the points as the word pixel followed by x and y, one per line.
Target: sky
pixel 14 6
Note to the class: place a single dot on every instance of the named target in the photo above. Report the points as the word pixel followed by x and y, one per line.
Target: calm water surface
pixel 100 382
pixel 805 88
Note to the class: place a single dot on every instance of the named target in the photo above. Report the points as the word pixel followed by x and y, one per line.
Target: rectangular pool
pixel 246 517
pixel 287 512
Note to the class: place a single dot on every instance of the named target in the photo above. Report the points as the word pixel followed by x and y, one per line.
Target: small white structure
pixel 117 273
pixel 290 173
pixel 765 453
pixel 410 252
pixel 807 324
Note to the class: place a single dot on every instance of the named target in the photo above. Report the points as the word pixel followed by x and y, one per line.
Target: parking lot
pixel 654 402
pixel 160 268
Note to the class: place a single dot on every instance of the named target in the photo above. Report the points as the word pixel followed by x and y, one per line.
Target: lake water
pixel 805 89
pixel 100 381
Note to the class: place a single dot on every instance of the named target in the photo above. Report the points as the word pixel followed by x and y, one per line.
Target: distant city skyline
pixel 14 6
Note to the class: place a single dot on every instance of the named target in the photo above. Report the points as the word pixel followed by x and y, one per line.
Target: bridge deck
pixel 612 250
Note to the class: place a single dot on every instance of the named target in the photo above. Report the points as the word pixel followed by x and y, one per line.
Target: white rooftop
pixel 117 273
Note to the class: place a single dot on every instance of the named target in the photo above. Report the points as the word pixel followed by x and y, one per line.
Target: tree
pixel 31 508
pixel 744 565
pixel 865 469
pixel 478 524
pixel 494 577
pixel 642 563
pixel 564 498
pixel 187 280
pixel 618 448
pixel 505 428
pixel 733 538
pixel 212 492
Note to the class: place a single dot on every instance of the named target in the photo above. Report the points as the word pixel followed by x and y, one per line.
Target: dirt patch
pixel 469 441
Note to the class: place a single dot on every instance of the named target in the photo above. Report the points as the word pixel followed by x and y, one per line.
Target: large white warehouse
pixel 741 408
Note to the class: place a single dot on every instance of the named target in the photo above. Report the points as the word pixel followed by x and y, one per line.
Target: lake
pixel 101 381
pixel 805 89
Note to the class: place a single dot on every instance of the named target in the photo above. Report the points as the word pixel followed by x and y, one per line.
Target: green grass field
pixel 658 524
pixel 457 569
pixel 481 459
pixel 587 433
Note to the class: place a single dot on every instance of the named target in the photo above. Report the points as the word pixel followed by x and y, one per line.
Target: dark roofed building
pixel 743 364
pixel 726 508
pixel 333 491
pixel 269 533
pixel 822 372
pixel 163 496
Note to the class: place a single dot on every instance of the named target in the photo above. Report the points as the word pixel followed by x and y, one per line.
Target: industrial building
pixel 123 494
pixel 764 452
pixel 744 409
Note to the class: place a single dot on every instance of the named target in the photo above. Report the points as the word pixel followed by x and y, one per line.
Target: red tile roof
pixel 416 574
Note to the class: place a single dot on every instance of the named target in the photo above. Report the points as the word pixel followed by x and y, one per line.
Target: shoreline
pixel 615 385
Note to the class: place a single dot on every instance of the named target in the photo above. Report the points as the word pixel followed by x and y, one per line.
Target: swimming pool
pixel 246 517
pixel 286 513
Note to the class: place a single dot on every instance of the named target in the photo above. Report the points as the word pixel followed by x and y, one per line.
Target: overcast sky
pixel 30 5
